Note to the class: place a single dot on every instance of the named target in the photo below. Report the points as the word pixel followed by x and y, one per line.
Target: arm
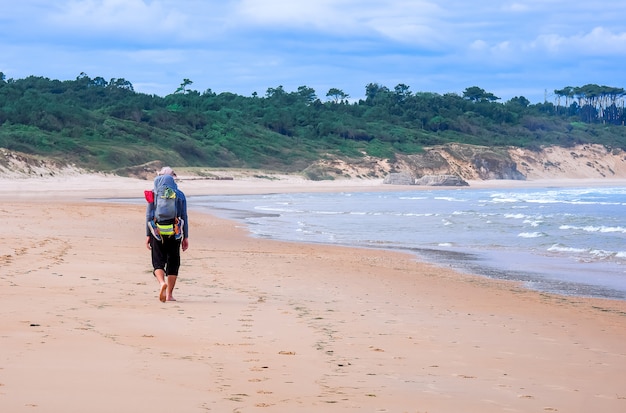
pixel 149 216
pixel 183 215
pixel 182 207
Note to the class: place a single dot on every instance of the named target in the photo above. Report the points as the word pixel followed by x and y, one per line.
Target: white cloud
pixel 249 45
pixel 118 17
pixel 320 13
pixel 478 45
pixel 404 21
pixel 420 24
pixel 156 57
pixel 516 7
pixel 598 41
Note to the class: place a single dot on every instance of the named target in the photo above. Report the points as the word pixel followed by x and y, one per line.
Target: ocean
pixel 569 241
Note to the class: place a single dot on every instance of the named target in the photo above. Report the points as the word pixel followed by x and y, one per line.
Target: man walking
pixel 167 231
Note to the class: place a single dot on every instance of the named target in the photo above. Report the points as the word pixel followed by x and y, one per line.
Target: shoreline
pixel 104 188
pixel 101 187
pixel 277 325
pixel 82 186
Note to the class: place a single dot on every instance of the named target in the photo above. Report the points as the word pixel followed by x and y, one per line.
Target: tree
pixel 307 93
pixel 121 83
pixel 336 94
pixel 476 94
pixel 373 90
pixel 99 82
pixel 567 92
pixel 594 100
pixel 276 92
pixel 402 92
pixel 520 100
pixel 183 86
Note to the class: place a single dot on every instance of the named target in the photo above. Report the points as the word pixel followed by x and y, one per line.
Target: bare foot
pixel 170 298
pixel 162 292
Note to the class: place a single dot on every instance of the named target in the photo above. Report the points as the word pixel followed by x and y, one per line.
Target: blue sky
pixel 508 48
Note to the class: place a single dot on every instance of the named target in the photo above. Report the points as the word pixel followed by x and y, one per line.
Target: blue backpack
pixel 165 203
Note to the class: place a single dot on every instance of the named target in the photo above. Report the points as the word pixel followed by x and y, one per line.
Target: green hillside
pixel 106 125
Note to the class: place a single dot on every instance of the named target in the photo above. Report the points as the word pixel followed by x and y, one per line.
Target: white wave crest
pixel 602 253
pixel 530 234
pixel 593 228
pixel 515 216
pixel 562 248
pixel 449 198
pixel 533 223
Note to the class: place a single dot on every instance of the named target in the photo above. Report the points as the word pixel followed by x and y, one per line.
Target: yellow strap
pixel 166 229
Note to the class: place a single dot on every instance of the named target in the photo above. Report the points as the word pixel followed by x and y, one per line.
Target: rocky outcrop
pixel 468 162
pixel 403 178
pixel 441 180
pixel 488 166
pixel 400 178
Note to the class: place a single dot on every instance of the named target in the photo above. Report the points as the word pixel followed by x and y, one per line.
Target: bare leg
pixel 160 276
pixel 171 283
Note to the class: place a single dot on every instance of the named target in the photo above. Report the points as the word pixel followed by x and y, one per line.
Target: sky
pixel 509 48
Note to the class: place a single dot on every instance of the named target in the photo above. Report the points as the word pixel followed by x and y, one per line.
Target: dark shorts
pixel 166 254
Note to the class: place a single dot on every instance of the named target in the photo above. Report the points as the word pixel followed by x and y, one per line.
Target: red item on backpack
pixel 149 196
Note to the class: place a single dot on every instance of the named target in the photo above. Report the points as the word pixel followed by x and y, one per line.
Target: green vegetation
pixel 106 125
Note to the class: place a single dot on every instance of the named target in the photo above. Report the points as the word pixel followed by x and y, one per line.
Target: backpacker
pixel 165 204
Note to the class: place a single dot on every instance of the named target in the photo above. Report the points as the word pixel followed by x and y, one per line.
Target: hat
pixel 166 170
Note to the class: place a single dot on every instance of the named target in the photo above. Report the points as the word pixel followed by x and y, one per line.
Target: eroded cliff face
pixel 468 162
pixel 19 165
pixel 579 162
pixel 484 163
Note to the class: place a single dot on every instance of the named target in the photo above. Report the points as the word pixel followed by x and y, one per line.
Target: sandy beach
pixel 269 326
